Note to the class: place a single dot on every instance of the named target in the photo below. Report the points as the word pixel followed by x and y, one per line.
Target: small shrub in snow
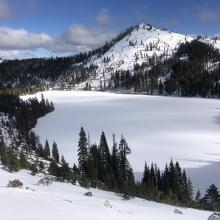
pixel 46 181
pixel 126 197
pixel 88 194
pixel 15 183
pixel 177 211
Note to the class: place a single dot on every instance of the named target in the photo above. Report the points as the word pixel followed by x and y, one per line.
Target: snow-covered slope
pixel 66 201
pixel 143 43
pixel 8 133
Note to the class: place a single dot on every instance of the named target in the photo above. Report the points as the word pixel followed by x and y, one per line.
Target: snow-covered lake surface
pixel 63 201
pixel 156 128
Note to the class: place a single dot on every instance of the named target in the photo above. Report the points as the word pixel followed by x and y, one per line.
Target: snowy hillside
pixel 66 201
pixel 142 44
pixel 8 132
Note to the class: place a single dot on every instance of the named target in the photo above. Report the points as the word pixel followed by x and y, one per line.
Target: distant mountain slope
pixel 142 45
pixel 137 47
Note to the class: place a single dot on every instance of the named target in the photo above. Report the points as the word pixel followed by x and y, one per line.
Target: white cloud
pixel 6 11
pixel 16 39
pixel 81 38
pixel 78 38
pixel 103 16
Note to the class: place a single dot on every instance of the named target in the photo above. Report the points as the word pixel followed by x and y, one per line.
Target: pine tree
pixel 212 197
pixel 40 150
pixel 126 174
pixel 105 170
pixel 23 160
pixel 47 150
pixel 82 153
pixel 64 170
pixel 13 161
pixel 55 153
pixel 93 165
pixel 53 168
pixel 104 151
pixel 198 198
pixel 189 191
pixel 115 159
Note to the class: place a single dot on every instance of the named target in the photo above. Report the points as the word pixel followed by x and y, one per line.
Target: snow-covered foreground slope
pixel 65 201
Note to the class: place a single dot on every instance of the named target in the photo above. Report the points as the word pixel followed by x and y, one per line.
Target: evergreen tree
pixel 211 198
pixel 126 174
pixel 55 153
pixel 23 160
pixel 47 150
pixel 115 159
pixel 198 198
pixel 13 161
pixel 65 170
pixel 40 150
pixel 53 168
pixel 105 170
pixel 82 154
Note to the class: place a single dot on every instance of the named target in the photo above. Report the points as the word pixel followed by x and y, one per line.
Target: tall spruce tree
pixel 47 150
pixel 115 159
pixel 82 153
pixel 212 198
pixel 126 174
pixel 105 170
pixel 55 153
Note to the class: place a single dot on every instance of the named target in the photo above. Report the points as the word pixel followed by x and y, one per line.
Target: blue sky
pixel 46 27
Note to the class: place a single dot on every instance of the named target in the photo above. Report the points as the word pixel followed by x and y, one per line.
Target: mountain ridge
pixel 143 43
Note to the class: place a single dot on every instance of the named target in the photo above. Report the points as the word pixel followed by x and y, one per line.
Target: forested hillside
pixel 193 71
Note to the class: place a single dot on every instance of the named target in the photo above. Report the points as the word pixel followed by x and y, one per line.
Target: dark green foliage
pixel 171 185
pixel 187 73
pixel 33 168
pixel 211 200
pixel 22 116
pixel 126 177
pixel 82 153
pixel 65 171
pixel 198 199
pixel 115 160
pixel 98 167
pixel 55 153
pixel 53 168
pixel 47 150
pixel 104 172
pixel 23 161
pixel 25 113
pixel 12 160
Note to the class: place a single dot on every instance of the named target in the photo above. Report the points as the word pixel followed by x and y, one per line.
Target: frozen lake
pixel 156 128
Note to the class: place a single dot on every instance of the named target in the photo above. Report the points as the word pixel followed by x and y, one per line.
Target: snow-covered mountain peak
pixel 142 44
pixel 139 46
